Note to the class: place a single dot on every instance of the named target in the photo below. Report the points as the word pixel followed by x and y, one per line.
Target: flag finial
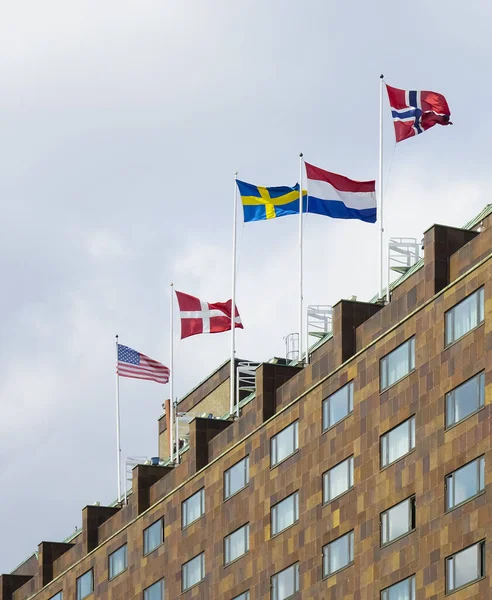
pixel 381 76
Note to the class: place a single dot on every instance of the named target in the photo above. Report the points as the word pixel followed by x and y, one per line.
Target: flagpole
pixel 300 257
pixel 176 426
pixel 118 441
pixel 171 369
pixel 233 308
pixel 380 188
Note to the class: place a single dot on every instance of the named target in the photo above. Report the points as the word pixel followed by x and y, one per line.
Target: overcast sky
pixel 122 124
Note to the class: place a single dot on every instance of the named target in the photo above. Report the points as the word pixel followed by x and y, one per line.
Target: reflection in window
pixel 236 544
pixel 285 443
pixel 155 591
pixel 397 442
pixel 465 483
pixel 395 365
pixel 193 508
pixel 285 513
pixel 465 316
pixel 153 536
pixel 285 583
pixel 465 399
pixel 398 521
pixel 337 406
pixel 338 479
pixel 465 566
pixel 85 585
pixel 236 478
pixel 193 571
pixel 338 554
pixel 117 562
pixel 403 590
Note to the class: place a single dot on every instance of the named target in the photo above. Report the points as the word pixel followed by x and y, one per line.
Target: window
pixel 284 444
pixel 193 571
pixel 236 478
pixel 403 590
pixel 465 399
pixel 58 596
pixel 465 566
pixel 153 536
pixel 398 521
pixel 243 596
pixel 338 480
pixel 465 483
pixel 338 554
pixel 193 508
pixel 155 591
pixel 337 406
pixel 117 562
pixel 395 365
pixel 397 442
pixel 465 316
pixel 85 585
pixel 285 583
pixel 284 514
pixel 236 544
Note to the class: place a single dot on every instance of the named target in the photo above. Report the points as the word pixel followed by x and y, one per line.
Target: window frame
pixel 480 473
pixel 274 519
pixel 273 443
pixel 57 596
pixel 163 588
pixel 79 597
pixel 412 519
pixel 481 564
pixel 411 364
pixel 201 556
pixel 326 557
pixel 326 425
pixel 226 484
pixel 112 576
pixel 412 588
pixel 411 430
pixel 146 551
pixel 228 551
pixel 480 306
pixel 351 479
pixel 242 596
pixel 201 491
pixel 480 377
pixel 297 578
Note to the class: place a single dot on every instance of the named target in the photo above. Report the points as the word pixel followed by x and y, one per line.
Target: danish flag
pixel 198 316
pixel 414 112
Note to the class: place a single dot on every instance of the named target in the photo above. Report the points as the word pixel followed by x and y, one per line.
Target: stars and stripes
pixel 414 111
pixel 135 365
pixel 199 317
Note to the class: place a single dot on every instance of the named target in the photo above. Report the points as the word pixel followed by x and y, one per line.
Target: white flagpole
pixel 233 309
pixel 176 423
pixel 118 442
pixel 171 369
pixel 300 256
pixel 380 188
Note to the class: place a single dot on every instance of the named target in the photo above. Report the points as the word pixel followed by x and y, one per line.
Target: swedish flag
pixel 261 203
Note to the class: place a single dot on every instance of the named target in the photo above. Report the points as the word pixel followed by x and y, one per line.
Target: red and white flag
pixel 198 316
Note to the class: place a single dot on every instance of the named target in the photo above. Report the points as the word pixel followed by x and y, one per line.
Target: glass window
pixel 236 478
pixel 465 566
pixel 338 479
pixel 397 442
pixel 465 316
pixel 337 406
pixel 153 536
pixel 285 513
pixel 193 571
pixel 193 508
pixel 403 590
pixel 466 399
pixel 395 365
pixel 85 585
pixel 338 554
pixel 236 544
pixel 398 521
pixel 117 562
pixel 155 591
pixel 285 443
pixel 58 596
pixel 285 583
pixel 465 483
pixel 243 596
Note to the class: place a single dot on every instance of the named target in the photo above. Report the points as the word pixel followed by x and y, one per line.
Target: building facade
pixel 365 474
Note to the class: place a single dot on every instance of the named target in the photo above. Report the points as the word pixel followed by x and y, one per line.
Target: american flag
pixel 138 366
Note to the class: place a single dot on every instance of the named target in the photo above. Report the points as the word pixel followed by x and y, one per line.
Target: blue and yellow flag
pixel 262 203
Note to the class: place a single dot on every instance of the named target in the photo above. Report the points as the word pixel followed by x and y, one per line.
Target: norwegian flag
pixel 415 112
pixel 198 316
